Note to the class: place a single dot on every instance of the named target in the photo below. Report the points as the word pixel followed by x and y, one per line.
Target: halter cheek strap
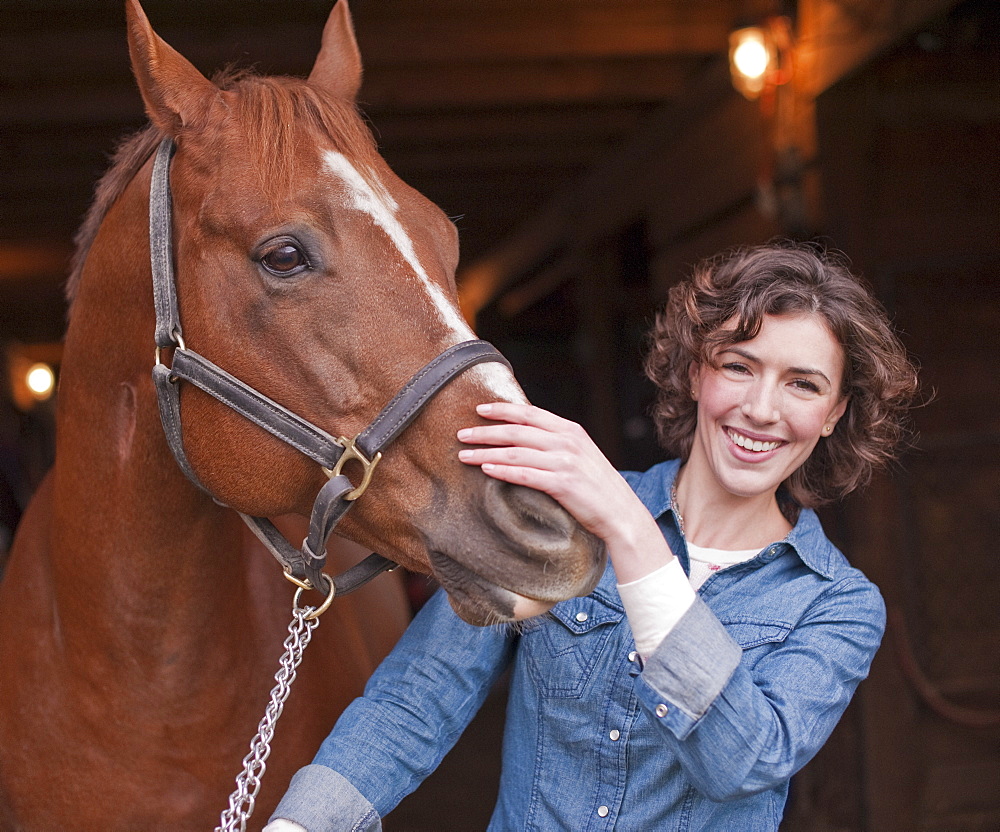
pixel 304 565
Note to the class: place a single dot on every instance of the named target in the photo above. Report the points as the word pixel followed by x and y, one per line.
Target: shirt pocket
pixel 756 638
pixel 563 648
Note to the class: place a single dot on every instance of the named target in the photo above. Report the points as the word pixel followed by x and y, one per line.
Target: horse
pixel 139 618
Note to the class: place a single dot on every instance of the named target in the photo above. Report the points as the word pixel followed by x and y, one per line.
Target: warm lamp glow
pixel 750 59
pixel 41 381
pixel 750 56
pixel 31 372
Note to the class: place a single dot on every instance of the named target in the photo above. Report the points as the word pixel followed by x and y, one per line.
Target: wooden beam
pixel 30 260
pixel 835 38
pixel 544 31
pixel 538 82
pixel 506 124
pixel 512 159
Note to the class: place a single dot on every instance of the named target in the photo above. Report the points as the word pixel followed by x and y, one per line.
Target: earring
pixel 827 430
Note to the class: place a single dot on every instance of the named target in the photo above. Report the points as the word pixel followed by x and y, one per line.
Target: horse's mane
pixel 129 156
pixel 269 108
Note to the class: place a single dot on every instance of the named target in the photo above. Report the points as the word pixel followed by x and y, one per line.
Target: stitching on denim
pixel 366 820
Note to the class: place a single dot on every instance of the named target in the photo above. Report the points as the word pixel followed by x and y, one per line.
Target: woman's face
pixel 763 404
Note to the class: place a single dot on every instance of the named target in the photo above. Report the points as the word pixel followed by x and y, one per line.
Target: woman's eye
pixel 736 367
pixel 802 384
pixel 285 260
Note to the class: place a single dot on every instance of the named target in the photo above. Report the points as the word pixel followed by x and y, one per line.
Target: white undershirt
pixel 706 562
pixel 655 603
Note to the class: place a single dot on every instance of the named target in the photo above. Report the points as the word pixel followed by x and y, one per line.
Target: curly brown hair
pixel 724 302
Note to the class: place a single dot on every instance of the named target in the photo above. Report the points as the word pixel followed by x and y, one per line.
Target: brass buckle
pixel 351 451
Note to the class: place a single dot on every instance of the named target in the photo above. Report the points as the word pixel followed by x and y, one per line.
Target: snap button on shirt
pixel 615 734
pixel 633 656
pixel 602 811
pixel 582 616
pixel 661 710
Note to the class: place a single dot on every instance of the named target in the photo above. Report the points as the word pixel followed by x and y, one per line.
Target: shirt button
pixel 661 710
pixel 602 811
pixel 615 734
pixel 632 656
pixel 582 616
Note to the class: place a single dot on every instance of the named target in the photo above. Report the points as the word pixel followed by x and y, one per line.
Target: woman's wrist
pixel 637 548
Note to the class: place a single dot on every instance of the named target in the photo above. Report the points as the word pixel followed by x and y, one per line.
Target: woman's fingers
pixel 523 425
pixel 525 414
pixel 508 434
pixel 512 455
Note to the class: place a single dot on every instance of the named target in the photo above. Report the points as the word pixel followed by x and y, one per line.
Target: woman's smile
pixel 755 445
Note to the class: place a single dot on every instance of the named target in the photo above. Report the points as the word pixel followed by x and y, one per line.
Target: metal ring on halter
pixel 322 608
pixel 179 345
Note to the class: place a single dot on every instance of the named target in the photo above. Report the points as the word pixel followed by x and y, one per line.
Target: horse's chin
pixel 479 601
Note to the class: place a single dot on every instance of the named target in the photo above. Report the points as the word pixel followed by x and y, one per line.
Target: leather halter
pixel 304 565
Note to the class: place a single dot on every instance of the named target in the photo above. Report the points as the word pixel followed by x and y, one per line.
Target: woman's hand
pixel 532 447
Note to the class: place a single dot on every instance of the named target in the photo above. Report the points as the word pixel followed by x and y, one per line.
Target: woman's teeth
pixel 749 444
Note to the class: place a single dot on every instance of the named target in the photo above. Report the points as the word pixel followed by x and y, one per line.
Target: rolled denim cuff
pixel 689 669
pixel 323 800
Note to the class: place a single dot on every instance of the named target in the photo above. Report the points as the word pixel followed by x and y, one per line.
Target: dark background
pixel 591 151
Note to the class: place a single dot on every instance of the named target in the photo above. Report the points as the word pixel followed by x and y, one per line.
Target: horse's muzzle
pixel 534 551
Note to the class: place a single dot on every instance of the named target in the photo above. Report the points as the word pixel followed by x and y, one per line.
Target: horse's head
pixel 307 269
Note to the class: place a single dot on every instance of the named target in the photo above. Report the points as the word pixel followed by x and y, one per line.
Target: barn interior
pixel 589 152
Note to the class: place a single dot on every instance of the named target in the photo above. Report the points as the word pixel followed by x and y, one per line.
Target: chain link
pixel 241 801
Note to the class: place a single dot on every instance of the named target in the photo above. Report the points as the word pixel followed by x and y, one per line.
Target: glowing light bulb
pixel 750 60
pixel 751 57
pixel 41 381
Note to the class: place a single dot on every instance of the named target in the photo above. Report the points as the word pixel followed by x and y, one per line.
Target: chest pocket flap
pixel 750 634
pixel 581 615
pixel 564 647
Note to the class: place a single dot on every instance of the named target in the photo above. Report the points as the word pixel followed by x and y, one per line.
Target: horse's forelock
pixel 272 110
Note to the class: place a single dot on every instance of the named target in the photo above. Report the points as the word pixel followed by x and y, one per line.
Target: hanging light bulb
pixel 751 57
pixel 40 380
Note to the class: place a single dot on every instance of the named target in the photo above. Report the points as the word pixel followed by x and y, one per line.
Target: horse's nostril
pixel 522 513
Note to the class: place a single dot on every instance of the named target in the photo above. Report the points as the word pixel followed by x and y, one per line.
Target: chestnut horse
pixel 139 622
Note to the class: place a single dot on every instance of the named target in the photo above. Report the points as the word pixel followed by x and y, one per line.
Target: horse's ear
pixel 175 93
pixel 338 66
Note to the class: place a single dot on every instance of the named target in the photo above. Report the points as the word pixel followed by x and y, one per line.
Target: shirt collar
pixel 806 538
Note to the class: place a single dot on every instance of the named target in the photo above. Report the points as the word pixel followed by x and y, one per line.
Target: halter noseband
pixel 303 566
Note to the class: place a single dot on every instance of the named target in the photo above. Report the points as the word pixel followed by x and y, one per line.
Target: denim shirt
pixel 704 736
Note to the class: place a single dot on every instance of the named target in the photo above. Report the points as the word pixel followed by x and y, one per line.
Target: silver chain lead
pixel 241 801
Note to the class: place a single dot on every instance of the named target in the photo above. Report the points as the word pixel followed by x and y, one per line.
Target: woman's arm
pixel 740 728
pixel 415 706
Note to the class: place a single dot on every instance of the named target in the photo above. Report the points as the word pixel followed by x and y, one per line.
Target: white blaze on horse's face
pixel 376 201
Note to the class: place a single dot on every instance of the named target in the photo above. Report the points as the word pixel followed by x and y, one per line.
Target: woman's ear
pixel 839 410
pixel 694 377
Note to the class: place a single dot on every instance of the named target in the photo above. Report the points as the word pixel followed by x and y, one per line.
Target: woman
pixel 727 636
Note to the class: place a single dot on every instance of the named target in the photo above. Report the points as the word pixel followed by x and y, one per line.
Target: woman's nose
pixel 761 404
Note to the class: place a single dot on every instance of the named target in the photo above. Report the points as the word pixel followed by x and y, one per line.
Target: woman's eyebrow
pixel 799 371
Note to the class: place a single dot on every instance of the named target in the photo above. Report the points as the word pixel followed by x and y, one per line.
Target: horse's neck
pixel 129 533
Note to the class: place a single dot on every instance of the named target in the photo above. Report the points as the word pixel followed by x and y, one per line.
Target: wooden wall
pixel 910 150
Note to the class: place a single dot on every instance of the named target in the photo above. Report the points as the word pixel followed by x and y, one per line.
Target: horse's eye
pixel 285 260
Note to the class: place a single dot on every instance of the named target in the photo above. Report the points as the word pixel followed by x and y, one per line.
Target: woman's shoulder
pixel 836 572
